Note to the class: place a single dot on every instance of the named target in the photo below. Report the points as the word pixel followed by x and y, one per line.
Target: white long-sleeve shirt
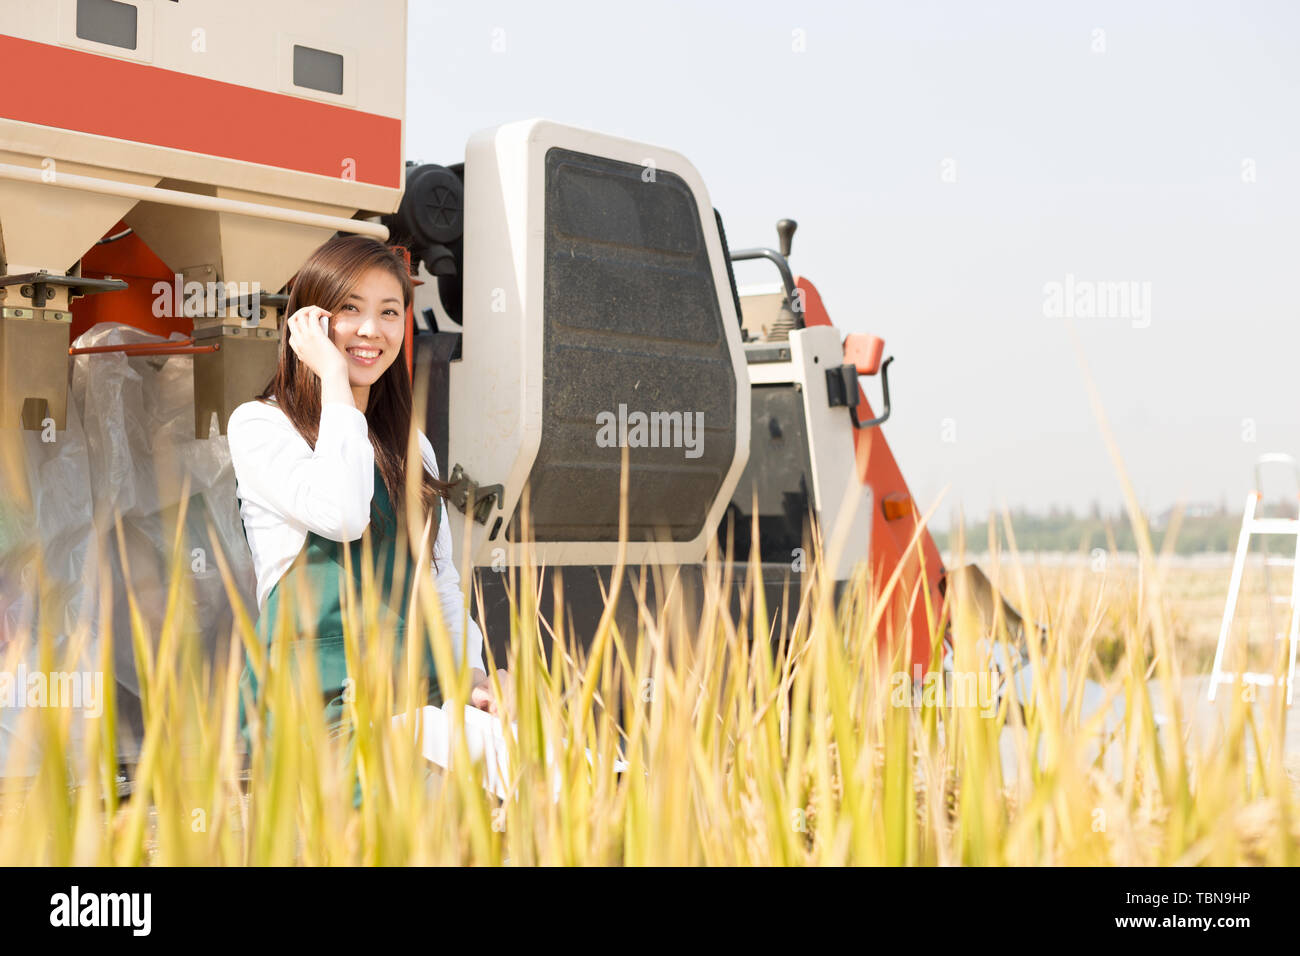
pixel 286 489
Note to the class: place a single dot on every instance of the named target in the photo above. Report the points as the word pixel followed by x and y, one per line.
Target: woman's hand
pixel 480 694
pixel 313 347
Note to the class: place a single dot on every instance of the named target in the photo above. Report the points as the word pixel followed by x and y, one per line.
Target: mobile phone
pixel 325 324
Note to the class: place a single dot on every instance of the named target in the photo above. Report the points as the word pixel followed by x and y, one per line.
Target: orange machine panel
pixel 893 525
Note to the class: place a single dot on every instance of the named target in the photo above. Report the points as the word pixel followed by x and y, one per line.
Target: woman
pixel 321 456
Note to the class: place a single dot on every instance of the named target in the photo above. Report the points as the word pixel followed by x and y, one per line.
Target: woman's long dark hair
pixel 326 280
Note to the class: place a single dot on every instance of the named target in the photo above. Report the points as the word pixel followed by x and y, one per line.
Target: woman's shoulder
pixel 258 417
pixel 258 408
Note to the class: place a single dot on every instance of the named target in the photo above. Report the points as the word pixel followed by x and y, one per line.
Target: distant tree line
pixel 1198 529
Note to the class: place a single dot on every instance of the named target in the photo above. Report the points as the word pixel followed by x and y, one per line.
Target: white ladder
pixel 1250 525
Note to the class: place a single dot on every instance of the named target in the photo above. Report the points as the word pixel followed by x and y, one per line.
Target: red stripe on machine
pixel 69 89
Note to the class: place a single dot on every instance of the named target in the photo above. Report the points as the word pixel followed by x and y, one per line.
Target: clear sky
pixel 946 162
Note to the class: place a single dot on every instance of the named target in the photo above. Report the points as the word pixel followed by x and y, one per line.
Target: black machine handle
pixel 842 389
pixel 787 277
pixel 884 387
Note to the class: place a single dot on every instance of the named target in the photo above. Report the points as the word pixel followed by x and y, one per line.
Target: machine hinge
pixel 465 490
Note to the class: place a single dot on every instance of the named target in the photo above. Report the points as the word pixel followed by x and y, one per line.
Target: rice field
pixel 805 751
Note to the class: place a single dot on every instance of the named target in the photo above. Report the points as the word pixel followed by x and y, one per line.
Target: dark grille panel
pixel 631 316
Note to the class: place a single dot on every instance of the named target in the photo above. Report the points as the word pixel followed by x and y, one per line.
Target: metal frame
pixel 1250 525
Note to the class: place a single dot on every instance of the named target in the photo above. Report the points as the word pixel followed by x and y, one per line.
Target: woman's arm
pixel 327 490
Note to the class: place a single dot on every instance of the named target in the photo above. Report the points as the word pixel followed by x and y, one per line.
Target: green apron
pixel 321 562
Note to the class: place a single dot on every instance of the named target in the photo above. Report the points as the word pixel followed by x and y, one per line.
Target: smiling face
pixel 369 326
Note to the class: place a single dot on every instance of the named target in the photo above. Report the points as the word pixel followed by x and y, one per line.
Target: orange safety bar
pixel 186 347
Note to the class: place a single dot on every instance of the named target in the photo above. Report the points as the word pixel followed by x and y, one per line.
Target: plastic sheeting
pixel 127 448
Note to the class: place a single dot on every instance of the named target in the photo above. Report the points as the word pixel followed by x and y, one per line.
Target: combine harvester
pixel 571 281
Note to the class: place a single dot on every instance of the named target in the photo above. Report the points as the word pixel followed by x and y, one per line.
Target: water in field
pixel 1202 723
